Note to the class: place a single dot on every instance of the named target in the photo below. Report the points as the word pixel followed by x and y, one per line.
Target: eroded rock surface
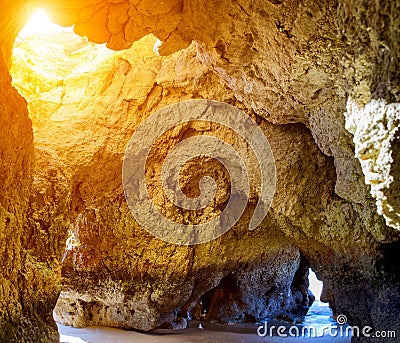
pixel 32 210
pixel 160 272
pixel 376 136
pixel 292 66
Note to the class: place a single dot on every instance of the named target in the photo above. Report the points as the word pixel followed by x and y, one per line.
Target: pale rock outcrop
pixel 376 137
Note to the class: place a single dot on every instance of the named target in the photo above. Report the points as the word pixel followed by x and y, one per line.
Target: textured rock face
pixel 30 227
pixel 280 281
pixel 376 136
pixel 121 23
pixel 292 66
pixel 142 282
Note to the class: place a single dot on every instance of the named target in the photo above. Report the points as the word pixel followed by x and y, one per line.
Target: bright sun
pixel 39 24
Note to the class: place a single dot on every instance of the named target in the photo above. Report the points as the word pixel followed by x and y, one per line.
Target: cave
pixel 306 92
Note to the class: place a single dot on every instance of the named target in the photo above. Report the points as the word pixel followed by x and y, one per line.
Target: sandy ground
pixel 108 335
pixel 318 316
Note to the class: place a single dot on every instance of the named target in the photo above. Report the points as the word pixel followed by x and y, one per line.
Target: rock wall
pixel 30 236
pixel 307 72
pixel 115 272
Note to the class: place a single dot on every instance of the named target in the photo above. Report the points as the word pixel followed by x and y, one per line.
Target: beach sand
pixel 318 316
pixel 110 335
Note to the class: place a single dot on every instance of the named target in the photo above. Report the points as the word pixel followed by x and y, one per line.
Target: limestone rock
pixel 31 230
pixel 261 291
pixel 166 287
pixel 94 196
pixel 292 66
pixel 376 137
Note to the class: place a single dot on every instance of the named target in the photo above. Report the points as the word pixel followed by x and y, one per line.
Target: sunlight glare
pixel 39 24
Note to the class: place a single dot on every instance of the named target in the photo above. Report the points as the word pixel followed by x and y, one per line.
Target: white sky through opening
pixel 315 285
pixel 39 23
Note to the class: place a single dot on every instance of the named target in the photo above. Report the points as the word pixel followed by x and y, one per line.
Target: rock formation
pixel 321 80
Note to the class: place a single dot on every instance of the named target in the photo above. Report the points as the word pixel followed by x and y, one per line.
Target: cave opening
pixel 55 70
pixel 321 80
pixel 40 24
pixel 319 315
pixel 315 284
